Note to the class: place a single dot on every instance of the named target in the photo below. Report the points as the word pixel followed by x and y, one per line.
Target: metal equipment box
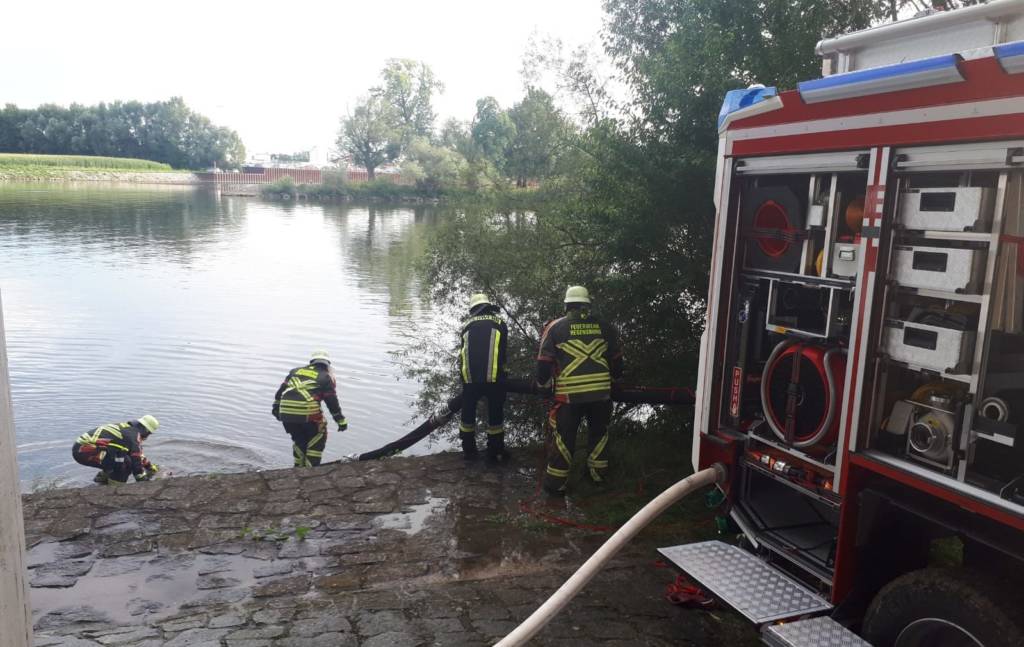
pixel 960 208
pixel 952 269
pixel 929 347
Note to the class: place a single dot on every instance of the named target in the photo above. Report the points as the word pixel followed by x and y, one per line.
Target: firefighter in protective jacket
pixel 116 450
pixel 297 406
pixel 583 355
pixel 482 368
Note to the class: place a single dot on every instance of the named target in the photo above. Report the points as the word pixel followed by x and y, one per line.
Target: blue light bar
pixel 739 100
pixel 890 78
pixel 1011 57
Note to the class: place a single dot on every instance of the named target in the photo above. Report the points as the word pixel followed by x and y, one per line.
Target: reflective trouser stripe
pixel 594 461
pixel 495 430
pixel 466 429
pixel 300 458
pixel 554 471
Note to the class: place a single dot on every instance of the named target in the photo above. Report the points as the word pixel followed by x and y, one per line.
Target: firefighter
pixel 582 355
pixel 116 450
pixel 297 406
pixel 482 368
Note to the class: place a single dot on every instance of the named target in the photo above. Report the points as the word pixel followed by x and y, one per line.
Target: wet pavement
pixel 401 552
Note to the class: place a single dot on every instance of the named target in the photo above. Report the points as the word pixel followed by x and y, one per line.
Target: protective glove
pixel 142 477
pixel 152 468
pixel 342 424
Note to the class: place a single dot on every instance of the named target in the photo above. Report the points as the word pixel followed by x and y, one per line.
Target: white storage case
pixel 931 347
pixel 947 209
pixel 951 269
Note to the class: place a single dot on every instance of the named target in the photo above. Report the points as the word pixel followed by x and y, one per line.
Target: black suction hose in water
pixel 630 394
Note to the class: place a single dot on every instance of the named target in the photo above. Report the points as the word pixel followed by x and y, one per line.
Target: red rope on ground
pixel 683 592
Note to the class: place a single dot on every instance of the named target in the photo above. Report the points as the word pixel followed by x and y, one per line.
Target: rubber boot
pixel 469 450
pixel 101 478
pixel 496 454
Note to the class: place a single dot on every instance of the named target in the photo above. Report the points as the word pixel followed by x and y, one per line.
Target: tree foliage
pixel 408 87
pixel 369 136
pixel 163 131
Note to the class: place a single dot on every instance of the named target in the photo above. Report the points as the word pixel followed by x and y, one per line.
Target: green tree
pixel 408 87
pixel 539 128
pixel 368 135
pixel 434 168
pixel 163 131
pixel 492 129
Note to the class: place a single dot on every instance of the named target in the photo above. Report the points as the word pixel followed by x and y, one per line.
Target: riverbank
pixel 66 174
pixel 406 551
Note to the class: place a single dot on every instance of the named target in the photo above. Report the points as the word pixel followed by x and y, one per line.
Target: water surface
pixel 191 306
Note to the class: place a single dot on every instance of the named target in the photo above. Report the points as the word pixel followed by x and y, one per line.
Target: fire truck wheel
pixel 943 607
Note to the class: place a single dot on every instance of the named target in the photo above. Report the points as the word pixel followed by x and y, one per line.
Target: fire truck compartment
pixel 745 582
pixel 791 522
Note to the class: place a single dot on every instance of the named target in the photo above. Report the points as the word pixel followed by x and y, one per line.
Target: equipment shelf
pixel 801 279
pixel 829 499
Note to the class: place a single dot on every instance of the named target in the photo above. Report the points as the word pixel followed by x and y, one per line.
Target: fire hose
pixel 631 394
pixel 554 604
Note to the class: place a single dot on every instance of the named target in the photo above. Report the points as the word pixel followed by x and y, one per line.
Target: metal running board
pixel 813 632
pixel 756 589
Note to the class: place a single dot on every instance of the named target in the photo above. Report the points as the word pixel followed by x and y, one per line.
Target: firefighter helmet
pixel 478 299
pixel 320 357
pixel 149 422
pixel 577 294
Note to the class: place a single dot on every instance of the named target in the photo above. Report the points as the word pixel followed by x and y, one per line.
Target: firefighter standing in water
pixel 482 368
pixel 583 355
pixel 297 406
pixel 116 450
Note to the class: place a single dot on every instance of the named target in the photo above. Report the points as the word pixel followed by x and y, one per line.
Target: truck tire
pixel 945 607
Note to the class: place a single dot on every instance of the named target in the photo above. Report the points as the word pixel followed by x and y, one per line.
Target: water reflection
pixel 192 306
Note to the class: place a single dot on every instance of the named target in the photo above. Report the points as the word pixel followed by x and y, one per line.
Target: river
pixel 191 306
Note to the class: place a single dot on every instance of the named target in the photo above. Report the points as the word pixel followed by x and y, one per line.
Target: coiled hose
pixel 547 611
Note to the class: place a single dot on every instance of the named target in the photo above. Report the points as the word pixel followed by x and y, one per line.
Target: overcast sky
pixel 280 73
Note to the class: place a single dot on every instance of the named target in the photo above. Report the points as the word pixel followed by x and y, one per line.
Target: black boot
pixel 496 454
pixel 469 450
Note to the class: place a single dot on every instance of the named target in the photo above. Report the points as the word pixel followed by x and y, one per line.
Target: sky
pixel 282 74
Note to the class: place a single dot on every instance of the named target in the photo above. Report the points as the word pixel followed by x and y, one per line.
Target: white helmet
pixel 577 294
pixel 320 357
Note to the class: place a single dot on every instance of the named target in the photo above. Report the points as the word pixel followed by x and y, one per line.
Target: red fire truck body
pixel 862 367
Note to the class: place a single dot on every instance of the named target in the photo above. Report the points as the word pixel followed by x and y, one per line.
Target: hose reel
pixel 801 392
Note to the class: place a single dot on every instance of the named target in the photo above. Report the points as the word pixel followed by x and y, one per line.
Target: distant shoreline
pixel 58 174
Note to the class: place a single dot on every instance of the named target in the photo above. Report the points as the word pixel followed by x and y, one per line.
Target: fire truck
pixel 862 366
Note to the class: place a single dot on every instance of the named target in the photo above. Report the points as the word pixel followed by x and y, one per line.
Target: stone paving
pixel 394 553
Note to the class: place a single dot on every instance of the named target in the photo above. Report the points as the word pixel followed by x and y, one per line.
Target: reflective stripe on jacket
pixel 118 436
pixel 586 356
pixel 299 396
pixel 484 342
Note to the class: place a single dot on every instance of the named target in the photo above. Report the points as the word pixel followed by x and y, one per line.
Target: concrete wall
pixel 15 614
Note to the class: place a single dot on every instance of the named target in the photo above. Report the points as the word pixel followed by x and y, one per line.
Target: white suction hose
pixel 547 611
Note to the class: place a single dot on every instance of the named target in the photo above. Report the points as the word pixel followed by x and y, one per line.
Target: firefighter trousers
pixel 564 420
pixel 308 441
pixel 116 463
pixel 471 395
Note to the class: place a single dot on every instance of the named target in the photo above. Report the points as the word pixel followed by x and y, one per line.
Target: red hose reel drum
pixel 772 220
pixel 802 391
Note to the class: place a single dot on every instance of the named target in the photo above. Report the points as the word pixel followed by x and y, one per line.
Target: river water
pixel 191 306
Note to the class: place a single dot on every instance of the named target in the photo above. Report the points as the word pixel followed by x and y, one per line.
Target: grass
pixel 53 165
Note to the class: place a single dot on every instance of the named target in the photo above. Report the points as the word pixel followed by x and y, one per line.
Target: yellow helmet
pixel 149 422
pixel 320 357
pixel 478 299
pixel 577 294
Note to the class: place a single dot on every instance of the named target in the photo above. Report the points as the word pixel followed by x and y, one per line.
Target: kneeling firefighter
pixel 482 362
pixel 116 450
pixel 583 355
pixel 297 406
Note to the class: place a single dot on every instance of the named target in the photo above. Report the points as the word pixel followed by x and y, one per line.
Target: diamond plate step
pixel 813 632
pixel 746 583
